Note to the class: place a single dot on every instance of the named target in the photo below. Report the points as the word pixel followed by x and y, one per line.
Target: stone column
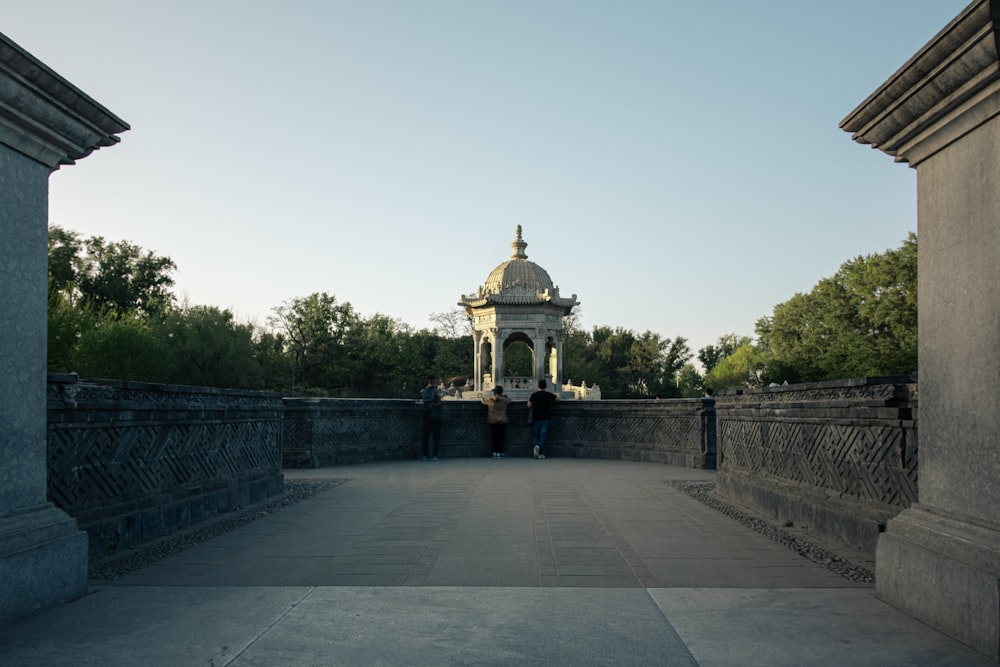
pixel 557 365
pixel 47 122
pixel 940 559
pixel 477 360
pixel 498 342
pixel 540 355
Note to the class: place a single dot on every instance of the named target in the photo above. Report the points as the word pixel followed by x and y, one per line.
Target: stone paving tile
pixel 619 569
pixel 403 556
pixel 584 553
pixel 364 567
pixel 422 528
pixel 364 549
pixel 599 581
pixel 334 579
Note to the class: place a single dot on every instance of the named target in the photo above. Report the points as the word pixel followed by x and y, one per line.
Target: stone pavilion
pixel 519 305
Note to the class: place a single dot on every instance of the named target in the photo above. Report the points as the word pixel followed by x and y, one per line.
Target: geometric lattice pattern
pixel 858 445
pixel 108 446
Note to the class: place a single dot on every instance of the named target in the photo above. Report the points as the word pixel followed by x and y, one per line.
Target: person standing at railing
pixel 431 398
pixel 496 417
pixel 540 404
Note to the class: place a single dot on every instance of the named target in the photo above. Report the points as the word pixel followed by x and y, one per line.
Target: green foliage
pixel 722 371
pixel 122 349
pixel 453 357
pixel 65 261
pixel 111 315
pixel 624 364
pixel 518 360
pixel 206 346
pixel 743 368
pixel 711 355
pixel 119 277
pixel 860 322
pixel 331 350
pixel 103 303
pixel 690 383
pixel 315 329
pixel 65 324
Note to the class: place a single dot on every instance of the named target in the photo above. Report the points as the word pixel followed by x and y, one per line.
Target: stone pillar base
pixel 43 562
pixel 944 570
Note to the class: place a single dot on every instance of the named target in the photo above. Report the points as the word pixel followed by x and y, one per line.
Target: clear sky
pixel 677 165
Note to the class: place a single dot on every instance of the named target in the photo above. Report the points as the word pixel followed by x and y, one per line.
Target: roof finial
pixel 518 245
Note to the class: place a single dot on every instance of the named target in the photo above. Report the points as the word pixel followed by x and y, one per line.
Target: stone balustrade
pixel 328 431
pixel 132 461
pixel 839 458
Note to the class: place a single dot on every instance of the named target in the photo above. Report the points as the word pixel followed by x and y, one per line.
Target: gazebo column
pixel 47 122
pixel 556 365
pixel 497 363
pixel 477 360
pixel 540 355
pixel 939 560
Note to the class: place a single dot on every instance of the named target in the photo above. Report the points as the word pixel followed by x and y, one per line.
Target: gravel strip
pixel 295 491
pixel 704 492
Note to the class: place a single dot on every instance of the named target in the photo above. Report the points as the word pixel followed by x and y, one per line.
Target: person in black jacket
pixel 431 397
pixel 541 403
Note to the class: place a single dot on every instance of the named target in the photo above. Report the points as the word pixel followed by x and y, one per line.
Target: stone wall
pixel 323 432
pixel 839 458
pixel 132 461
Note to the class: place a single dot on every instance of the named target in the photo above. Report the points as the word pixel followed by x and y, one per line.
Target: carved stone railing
pixel 132 461
pixel 322 432
pixel 839 458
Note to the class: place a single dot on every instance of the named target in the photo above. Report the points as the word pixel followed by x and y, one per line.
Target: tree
pixel 455 323
pixel 453 349
pixel 745 367
pixel 123 278
pixel 518 360
pixel 862 321
pixel 66 322
pixel 624 364
pixel 206 346
pixel 690 382
pixel 90 283
pixel 676 355
pixel 644 368
pixel 314 330
pixel 710 355
pixel 122 349
pixel 380 357
pixel 276 368
pixel 65 262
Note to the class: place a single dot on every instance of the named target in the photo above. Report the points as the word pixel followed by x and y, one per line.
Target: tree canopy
pixel 625 364
pixel 112 314
pixel 861 321
pixel 119 278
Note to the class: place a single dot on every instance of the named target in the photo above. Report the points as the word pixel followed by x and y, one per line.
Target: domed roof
pixel 518 281
pixel 518 272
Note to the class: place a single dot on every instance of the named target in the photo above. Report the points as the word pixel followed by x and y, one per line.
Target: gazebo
pixel 518 305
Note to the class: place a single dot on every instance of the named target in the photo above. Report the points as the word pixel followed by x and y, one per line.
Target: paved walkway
pixel 483 562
